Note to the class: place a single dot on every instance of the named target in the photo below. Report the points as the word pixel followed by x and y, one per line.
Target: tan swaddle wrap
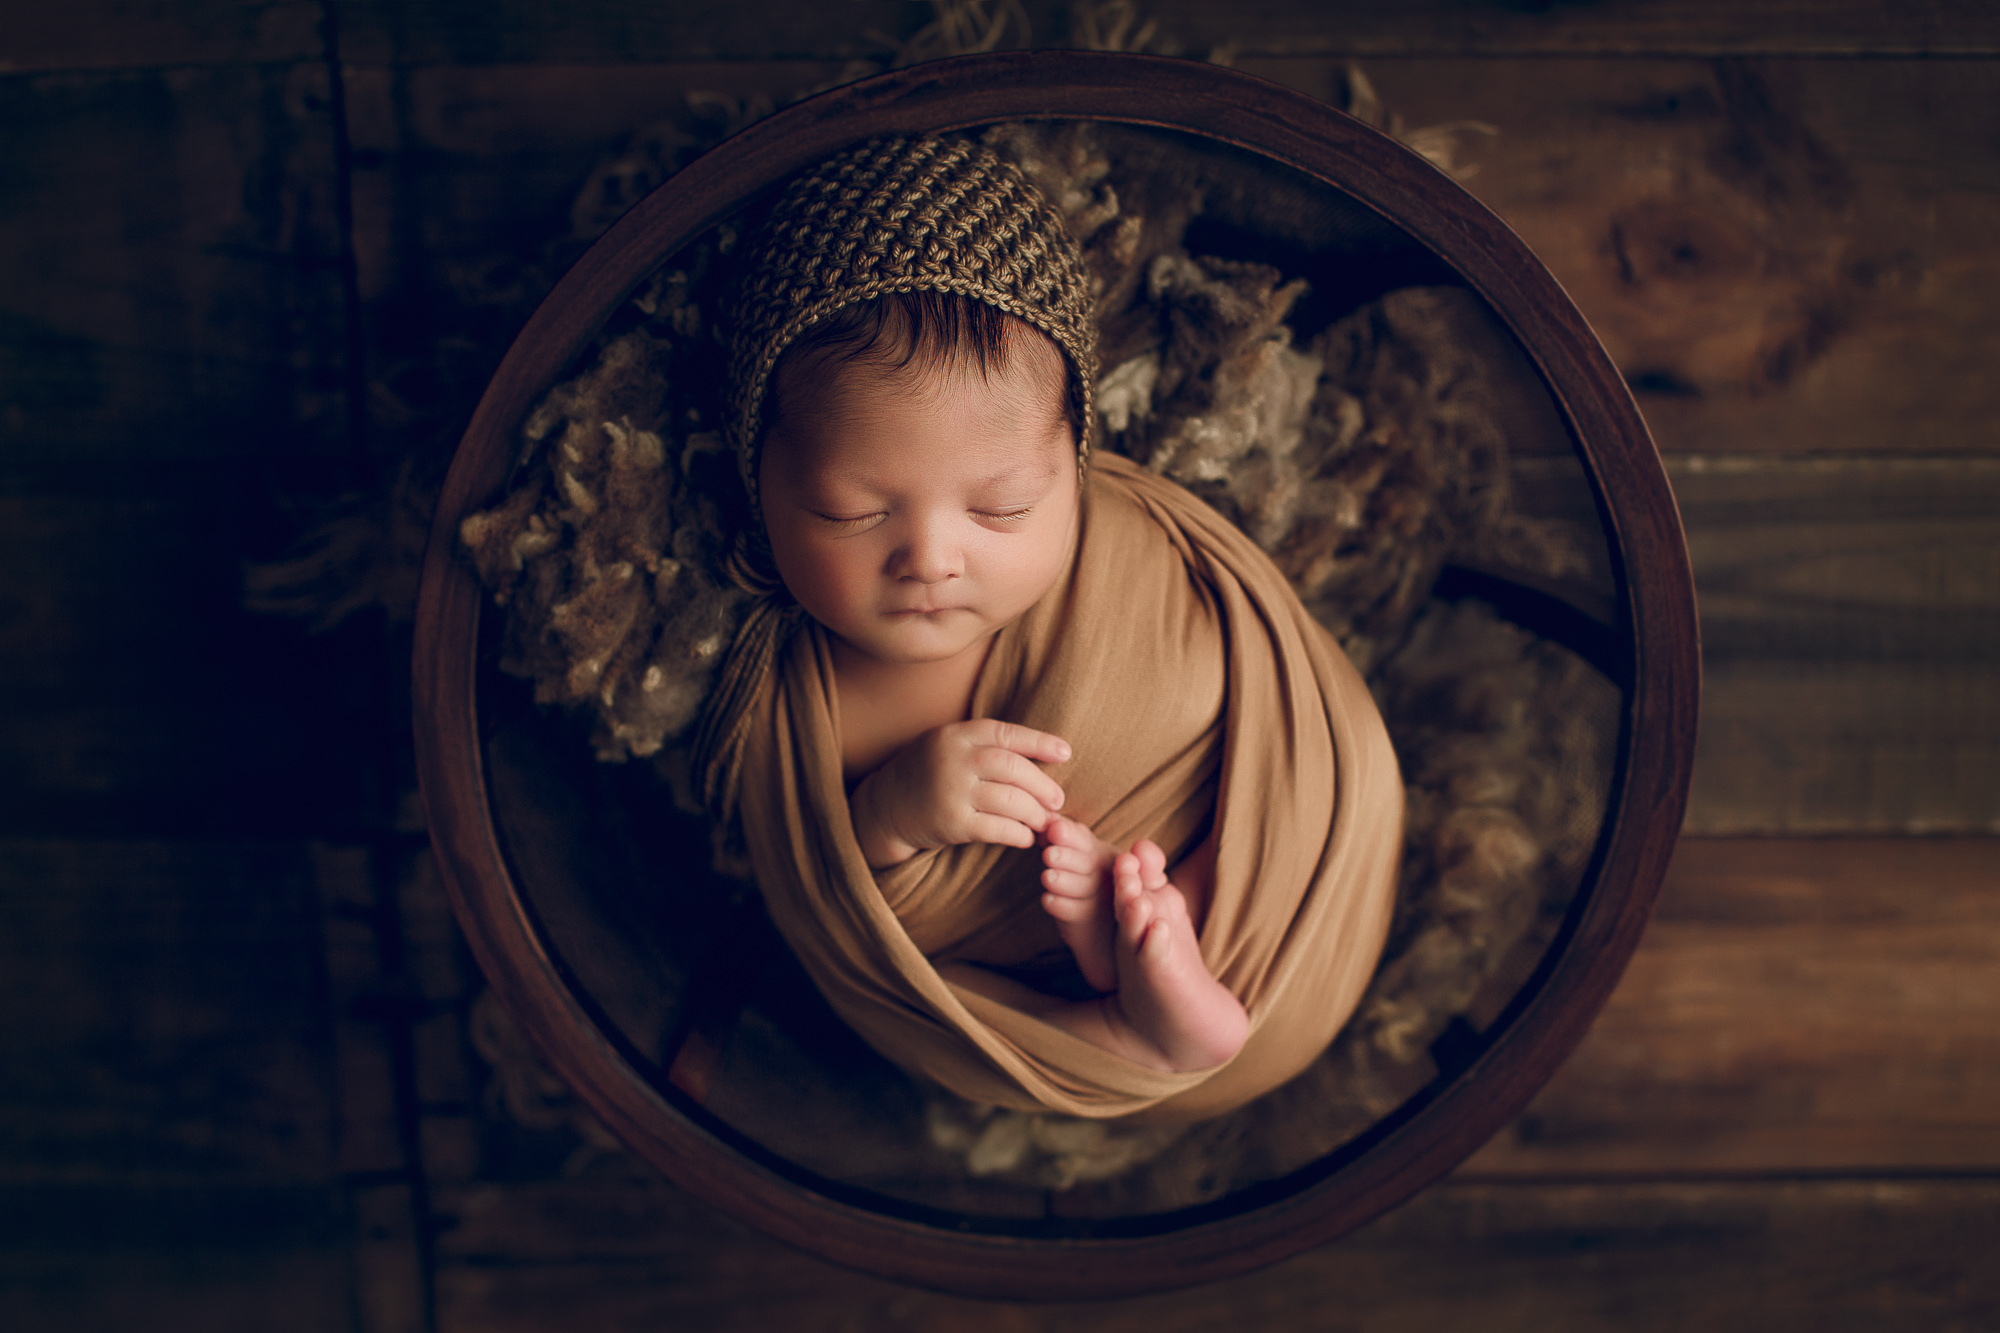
pixel 1201 701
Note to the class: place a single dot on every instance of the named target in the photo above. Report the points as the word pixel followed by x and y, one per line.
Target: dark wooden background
pixel 255 254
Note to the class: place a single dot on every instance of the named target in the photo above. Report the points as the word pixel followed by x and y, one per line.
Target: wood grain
pixel 142 700
pixel 1850 615
pixel 382 1155
pixel 174 287
pixel 370 1137
pixel 1643 1256
pixel 109 1258
pixel 1852 747
pixel 124 34
pixel 1437 29
pixel 168 1099
pixel 164 1014
pixel 1782 256
pixel 1798 1007
pixel 614 31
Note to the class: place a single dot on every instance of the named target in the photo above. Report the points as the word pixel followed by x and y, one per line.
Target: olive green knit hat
pixel 906 215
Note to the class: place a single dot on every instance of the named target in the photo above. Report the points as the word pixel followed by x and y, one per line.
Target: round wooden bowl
pixel 1649 648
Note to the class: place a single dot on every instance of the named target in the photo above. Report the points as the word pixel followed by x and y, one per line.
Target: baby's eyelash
pixel 836 521
pixel 1010 516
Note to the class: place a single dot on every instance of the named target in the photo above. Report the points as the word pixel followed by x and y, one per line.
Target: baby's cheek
pixel 833 591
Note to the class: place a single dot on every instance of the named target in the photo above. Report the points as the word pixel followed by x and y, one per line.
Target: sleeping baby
pixel 1047 777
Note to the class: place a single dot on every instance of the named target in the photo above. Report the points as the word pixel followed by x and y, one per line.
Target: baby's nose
pixel 930 556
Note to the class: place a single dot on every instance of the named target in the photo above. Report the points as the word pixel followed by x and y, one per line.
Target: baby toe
pixel 1152 862
pixel 1067 858
pixel 1069 885
pixel 1066 909
pixel 1134 910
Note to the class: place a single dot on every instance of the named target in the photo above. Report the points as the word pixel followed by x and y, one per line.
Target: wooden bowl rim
pixel 1416 1145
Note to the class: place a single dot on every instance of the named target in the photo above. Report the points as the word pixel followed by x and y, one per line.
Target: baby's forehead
pixel 877 427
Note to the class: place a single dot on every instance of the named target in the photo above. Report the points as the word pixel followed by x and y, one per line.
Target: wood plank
pixel 1444 28
pixel 1850 620
pixel 123 34
pixel 174 281
pixel 143 700
pixel 1797 1007
pixel 1846 747
pixel 439 969
pixel 380 1160
pixel 391 1286
pixel 176 1259
pixel 1841 213
pixel 164 1015
pixel 1875 560
pixel 1769 1256
pixel 613 31
pixel 444 32
pixel 1850 614
pixel 366 1016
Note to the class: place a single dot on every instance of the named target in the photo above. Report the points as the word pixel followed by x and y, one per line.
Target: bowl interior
pixel 681 975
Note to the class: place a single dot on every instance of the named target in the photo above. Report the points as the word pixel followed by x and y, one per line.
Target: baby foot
pixel 1077 894
pixel 1164 989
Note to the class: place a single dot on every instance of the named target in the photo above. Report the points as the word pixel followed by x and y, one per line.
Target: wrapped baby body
pixel 1203 704
pixel 913 365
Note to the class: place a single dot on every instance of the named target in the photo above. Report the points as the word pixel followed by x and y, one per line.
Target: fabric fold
pixel 1202 703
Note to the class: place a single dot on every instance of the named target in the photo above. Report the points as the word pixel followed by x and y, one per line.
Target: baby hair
pixel 923 332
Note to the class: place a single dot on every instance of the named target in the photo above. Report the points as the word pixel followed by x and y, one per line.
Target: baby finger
pixel 1010 802
pixel 1001 831
pixel 1042 745
pixel 998 765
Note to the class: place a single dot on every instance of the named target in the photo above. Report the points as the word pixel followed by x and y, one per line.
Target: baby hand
pixel 963 782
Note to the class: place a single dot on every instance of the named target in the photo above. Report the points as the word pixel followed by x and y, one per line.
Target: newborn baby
pixel 921 491
pixel 1007 712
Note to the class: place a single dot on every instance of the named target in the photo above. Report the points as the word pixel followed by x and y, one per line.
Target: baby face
pixel 915 511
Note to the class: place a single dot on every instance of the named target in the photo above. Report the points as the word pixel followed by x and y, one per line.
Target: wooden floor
pixel 1784 1119
pixel 258 256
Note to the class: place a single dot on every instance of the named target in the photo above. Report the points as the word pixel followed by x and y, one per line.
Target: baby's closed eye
pixel 851 522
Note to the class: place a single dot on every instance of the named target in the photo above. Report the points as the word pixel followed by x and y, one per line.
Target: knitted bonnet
pixel 897 216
